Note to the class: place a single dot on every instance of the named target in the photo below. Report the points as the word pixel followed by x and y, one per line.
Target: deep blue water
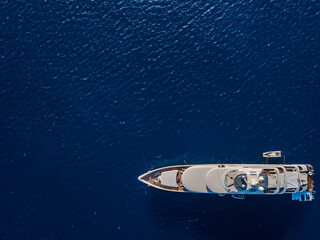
pixel 95 93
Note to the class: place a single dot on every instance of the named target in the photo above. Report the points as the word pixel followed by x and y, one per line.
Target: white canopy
pixel 292 179
pixel 194 178
pixel 169 178
pixel 215 178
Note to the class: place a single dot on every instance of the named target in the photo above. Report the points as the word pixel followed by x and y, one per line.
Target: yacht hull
pixel 237 180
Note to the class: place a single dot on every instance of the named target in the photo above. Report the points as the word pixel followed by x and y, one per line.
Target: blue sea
pixel 95 93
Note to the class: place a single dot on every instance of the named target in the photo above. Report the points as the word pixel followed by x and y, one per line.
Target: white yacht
pixel 236 180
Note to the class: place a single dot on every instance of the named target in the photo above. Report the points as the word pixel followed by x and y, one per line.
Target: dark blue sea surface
pixel 95 93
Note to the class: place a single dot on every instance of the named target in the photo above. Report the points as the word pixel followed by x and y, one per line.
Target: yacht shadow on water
pixel 202 216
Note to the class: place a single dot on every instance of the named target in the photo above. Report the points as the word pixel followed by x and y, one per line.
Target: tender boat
pixel 272 154
pixel 236 180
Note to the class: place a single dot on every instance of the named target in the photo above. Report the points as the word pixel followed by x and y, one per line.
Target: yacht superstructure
pixel 236 180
